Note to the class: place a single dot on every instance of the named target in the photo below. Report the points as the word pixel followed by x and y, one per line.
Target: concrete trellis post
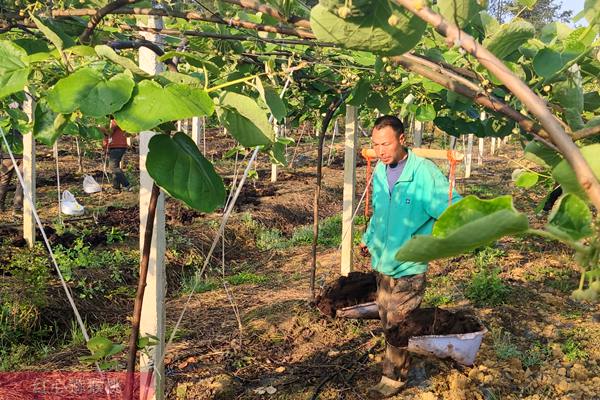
pixel 29 175
pixel 197 130
pixel 273 165
pixel 480 153
pixel 418 133
pixel 493 147
pixel 153 310
pixel 350 149
pixel 469 155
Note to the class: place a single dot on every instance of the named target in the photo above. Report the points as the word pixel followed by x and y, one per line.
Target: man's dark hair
pixel 391 121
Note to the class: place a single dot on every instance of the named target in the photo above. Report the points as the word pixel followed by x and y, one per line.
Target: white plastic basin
pixel 460 347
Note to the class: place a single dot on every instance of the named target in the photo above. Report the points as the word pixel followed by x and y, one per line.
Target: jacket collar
pixel 409 169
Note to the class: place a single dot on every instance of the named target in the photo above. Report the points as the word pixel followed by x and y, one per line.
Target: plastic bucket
pixel 462 347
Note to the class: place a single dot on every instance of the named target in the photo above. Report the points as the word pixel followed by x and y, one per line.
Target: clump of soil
pixel 120 217
pixel 356 288
pixel 433 321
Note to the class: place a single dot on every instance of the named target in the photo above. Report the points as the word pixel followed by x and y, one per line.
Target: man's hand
pixel 364 250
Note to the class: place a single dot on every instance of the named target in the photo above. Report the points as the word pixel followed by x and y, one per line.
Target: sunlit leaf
pixel 509 37
pixel 464 226
pixel 571 216
pixel 178 167
pixel 152 104
pixel 245 120
pixel 107 52
pixel 14 70
pixel 87 89
pixel 460 12
pixel 370 31
pixel 565 176
pixel 525 179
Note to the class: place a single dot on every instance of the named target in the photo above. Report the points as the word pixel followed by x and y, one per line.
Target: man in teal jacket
pixel 409 194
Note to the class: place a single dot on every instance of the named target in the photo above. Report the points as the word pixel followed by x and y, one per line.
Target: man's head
pixel 388 139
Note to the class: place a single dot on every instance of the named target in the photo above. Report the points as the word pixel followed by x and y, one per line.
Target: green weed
pixel 503 345
pixel 437 293
pixel 536 355
pixel 487 256
pixel 573 350
pixel 330 233
pixel 270 239
pixel 486 288
pixel 115 235
pixel 198 285
pixel 245 277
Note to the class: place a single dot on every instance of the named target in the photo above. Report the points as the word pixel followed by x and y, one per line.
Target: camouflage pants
pixel 396 298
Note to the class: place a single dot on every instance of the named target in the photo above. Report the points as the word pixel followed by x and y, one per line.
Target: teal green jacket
pixel 417 200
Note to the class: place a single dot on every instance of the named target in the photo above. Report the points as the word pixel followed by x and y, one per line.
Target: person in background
pixel 7 170
pixel 115 143
pixel 409 195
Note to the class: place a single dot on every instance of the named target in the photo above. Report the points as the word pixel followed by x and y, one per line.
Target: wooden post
pixel 153 309
pixel 350 148
pixel 469 155
pixel 29 175
pixel 493 148
pixel 197 131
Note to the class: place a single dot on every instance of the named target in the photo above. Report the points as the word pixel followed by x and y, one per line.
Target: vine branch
pixel 98 15
pixel 189 16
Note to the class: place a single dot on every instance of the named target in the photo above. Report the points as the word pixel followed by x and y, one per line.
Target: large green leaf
pixel 32 46
pixel 245 120
pixel 591 101
pixel 107 52
pixel 565 176
pixel 569 94
pixel 524 179
pixel 370 31
pixel 460 12
pixel 152 104
pixel 359 93
pixel 547 62
pixel 554 30
pixel 178 167
pixel 47 125
pixel 379 102
pixel 542 154
pixel 464 226
pixel 87 89
pixel 53 33
pixel 490 24
pixel 271 98
pixel 14 70
pixel 570 216
pixel 446 124
pixel 167 77
pixel 425 113
pixel 509 37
